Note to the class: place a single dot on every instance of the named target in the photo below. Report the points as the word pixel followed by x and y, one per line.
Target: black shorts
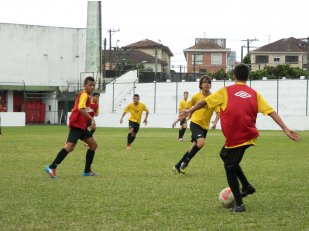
pixel 134 125
pixel 232 156
pixel 183 121
pixel 77 133
pixel 197 132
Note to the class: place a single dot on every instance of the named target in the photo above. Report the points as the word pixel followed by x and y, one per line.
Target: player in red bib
pixel 239 105
pixel 78 123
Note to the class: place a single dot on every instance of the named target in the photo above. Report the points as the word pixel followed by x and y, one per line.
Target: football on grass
pixel 226 198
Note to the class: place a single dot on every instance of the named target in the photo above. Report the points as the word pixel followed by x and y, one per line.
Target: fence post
pixel 113 97
pixel 176 95
pixel 155 95
pixel 278 94
pixel 307 97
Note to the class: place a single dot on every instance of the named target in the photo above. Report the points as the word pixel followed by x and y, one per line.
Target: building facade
pixel 207 56
pixel 291 51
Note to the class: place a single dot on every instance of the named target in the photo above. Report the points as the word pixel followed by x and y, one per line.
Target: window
pixel 291 59
pixel 197 58
pixel 216 58
pixel 276 58
pixel 261 59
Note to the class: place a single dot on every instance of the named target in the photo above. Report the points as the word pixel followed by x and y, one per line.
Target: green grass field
pixel 136 189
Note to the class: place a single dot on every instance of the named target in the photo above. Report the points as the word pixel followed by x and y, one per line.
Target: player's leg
pixel 198 136
pixel 231 158
pixel 176 168
pixel 129 137
pixel 92 144
pixel 72 139
pixel 134 128
pixel 182 129
pixel 247 188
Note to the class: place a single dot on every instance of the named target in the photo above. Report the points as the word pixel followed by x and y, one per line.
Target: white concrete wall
pixel 291 102
pixel 41 55
pixel 123 88
pixel 51 108
pixel 12 119
pixel 300 123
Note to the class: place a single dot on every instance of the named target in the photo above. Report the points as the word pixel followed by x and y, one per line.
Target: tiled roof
pixel 284 45
pixel 147 43
pixel 132 55
pixel 206 45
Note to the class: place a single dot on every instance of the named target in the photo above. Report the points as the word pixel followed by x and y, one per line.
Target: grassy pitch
pixel 136 189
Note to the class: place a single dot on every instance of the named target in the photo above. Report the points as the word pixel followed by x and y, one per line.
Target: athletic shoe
pixel 181 140
pixel 183 167
pixel 238 209
pixel 129 146
pixel 245 191
pixel 176 170
pixel 51 172
pixel 89 174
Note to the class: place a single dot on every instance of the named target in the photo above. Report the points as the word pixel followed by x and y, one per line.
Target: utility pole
pixel 249 41
pixel 110 46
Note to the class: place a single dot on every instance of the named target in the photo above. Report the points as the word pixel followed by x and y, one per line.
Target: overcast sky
pixel 175 23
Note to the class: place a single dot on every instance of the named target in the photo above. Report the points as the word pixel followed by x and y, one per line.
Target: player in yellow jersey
pixel 136 110
pixel 183 123
pixel 199 124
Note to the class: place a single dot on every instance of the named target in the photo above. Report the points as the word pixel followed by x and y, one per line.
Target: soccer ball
pixel 226 198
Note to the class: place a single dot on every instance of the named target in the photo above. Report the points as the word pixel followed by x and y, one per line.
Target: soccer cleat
pixel 90 174
pixel 238 209
pixel 129 146
pixel 183 167
pixel 245 191
pixel 176 170
pixel 51 172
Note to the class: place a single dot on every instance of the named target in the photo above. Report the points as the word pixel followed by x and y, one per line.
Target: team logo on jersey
pixel 89 109
pixel 242 94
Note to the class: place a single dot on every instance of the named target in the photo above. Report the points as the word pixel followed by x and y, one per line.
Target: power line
pixel 249 41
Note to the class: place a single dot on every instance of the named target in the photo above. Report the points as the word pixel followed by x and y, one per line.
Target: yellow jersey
pixel 183 104
pixel 83 99
pixel 136 111
pixel 202 116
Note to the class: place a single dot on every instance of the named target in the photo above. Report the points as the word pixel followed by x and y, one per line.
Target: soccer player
pixel 136 110
pixel 199 125
pixel 183 123
pixel 78 123
pixel 93 110
pixel 239 105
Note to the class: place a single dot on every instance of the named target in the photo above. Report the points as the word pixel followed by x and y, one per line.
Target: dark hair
pixel 204 78
pixel 241 72
pixel 88 79
pixel 136 95
pixel 96 94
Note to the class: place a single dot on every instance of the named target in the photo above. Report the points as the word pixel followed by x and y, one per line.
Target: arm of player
pixel 175 122
pixel 189 112
pixel 290 133
pixel 214 123
pixel 85 113
pixel 146 118
pixel 121 119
